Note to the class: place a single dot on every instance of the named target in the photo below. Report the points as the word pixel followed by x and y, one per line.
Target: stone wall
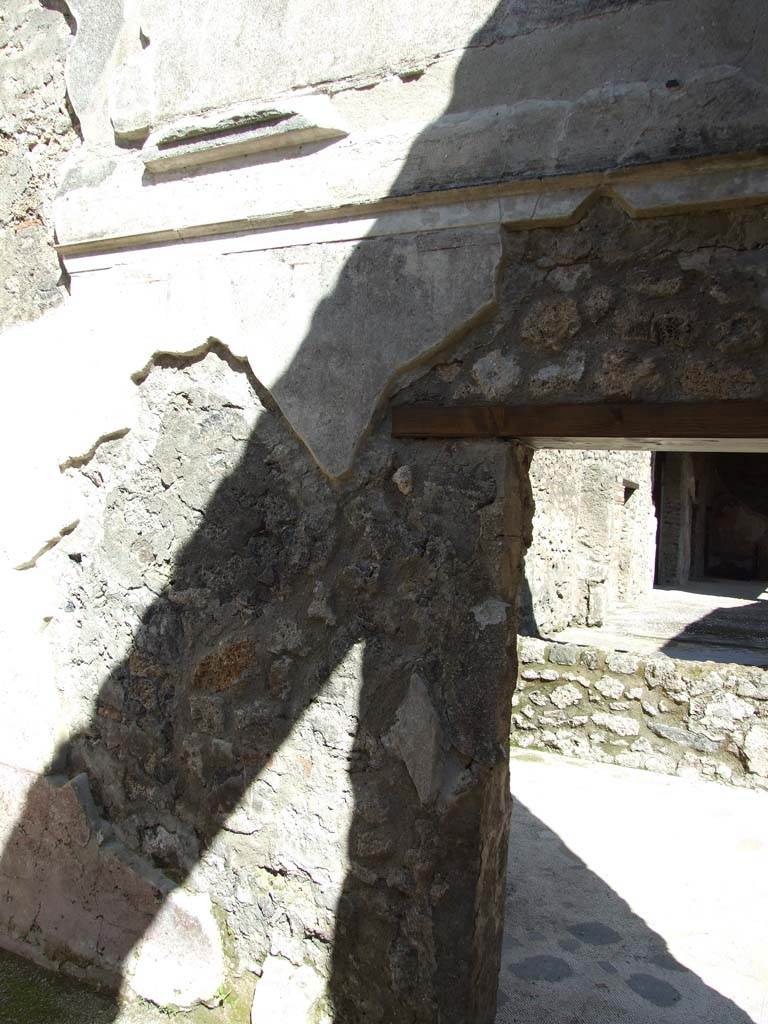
pixel 225 637
pixel 594 539
pixel 36 132
pixel 655 309
pixel 660 713
pixel 262 681
pixel 257 659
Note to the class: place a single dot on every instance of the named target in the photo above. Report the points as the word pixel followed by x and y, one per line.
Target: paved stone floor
pixel 633 898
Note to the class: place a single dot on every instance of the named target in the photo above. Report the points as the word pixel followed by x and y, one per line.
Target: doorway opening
pixel 645 646
pixel 712 510
pixel 650 551
pixel 610 903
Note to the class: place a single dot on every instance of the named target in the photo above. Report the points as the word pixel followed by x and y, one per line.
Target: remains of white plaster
pixel 168 973
pixel 286 994
pixel 416 738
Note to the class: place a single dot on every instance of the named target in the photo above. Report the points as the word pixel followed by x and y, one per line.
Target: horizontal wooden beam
pixel 593 425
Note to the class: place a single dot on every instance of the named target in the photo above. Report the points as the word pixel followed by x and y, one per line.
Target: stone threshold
pixel 722 653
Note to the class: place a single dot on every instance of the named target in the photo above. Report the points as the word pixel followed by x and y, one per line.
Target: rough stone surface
pixel 221 639
pixel 756 749
pixel 415 736
pixel 720 287
pixel 495 376
pixel 36 132
pixel 592 545
pixel 620 725
pixel 246 658
pixel 179 960
pixel 402 478
pixel 659 713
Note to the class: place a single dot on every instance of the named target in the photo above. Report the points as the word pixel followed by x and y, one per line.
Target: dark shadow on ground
pixel 726 626
pixel 30 995
pixel 575 952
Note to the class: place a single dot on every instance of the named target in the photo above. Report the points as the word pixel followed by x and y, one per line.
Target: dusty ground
pixel 29 995
pixel 633 898
pixel 717 620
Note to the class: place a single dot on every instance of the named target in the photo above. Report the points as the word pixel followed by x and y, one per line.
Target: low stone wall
pixel 679 717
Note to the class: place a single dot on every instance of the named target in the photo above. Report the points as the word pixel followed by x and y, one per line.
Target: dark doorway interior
pixel 713 516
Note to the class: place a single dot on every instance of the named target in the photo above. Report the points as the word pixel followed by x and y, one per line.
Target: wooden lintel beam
pixel 543 424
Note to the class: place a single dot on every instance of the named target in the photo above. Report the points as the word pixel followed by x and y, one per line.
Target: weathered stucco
pixel 259 656
pixel 251 706
pixel 483 92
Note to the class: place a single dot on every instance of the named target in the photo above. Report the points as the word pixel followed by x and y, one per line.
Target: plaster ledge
pixel 653 190
pixel 240 131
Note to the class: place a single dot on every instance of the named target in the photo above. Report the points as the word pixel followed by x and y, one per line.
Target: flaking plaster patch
pixel 286 994
pixel 415 737
pixel 179 961
pixel 492 612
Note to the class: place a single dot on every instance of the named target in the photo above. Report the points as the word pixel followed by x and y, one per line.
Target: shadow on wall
pixel 526 612
pixel 289 587
pixel 360 606
pixel 575 953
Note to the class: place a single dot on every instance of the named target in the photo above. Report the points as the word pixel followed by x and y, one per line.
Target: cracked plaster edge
pixel 703 189
pixel 409 371
pixel 78 461
pixel 48 545
pixel 399 378
pixel 72 462
pixel 236 354
pixel 56 469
